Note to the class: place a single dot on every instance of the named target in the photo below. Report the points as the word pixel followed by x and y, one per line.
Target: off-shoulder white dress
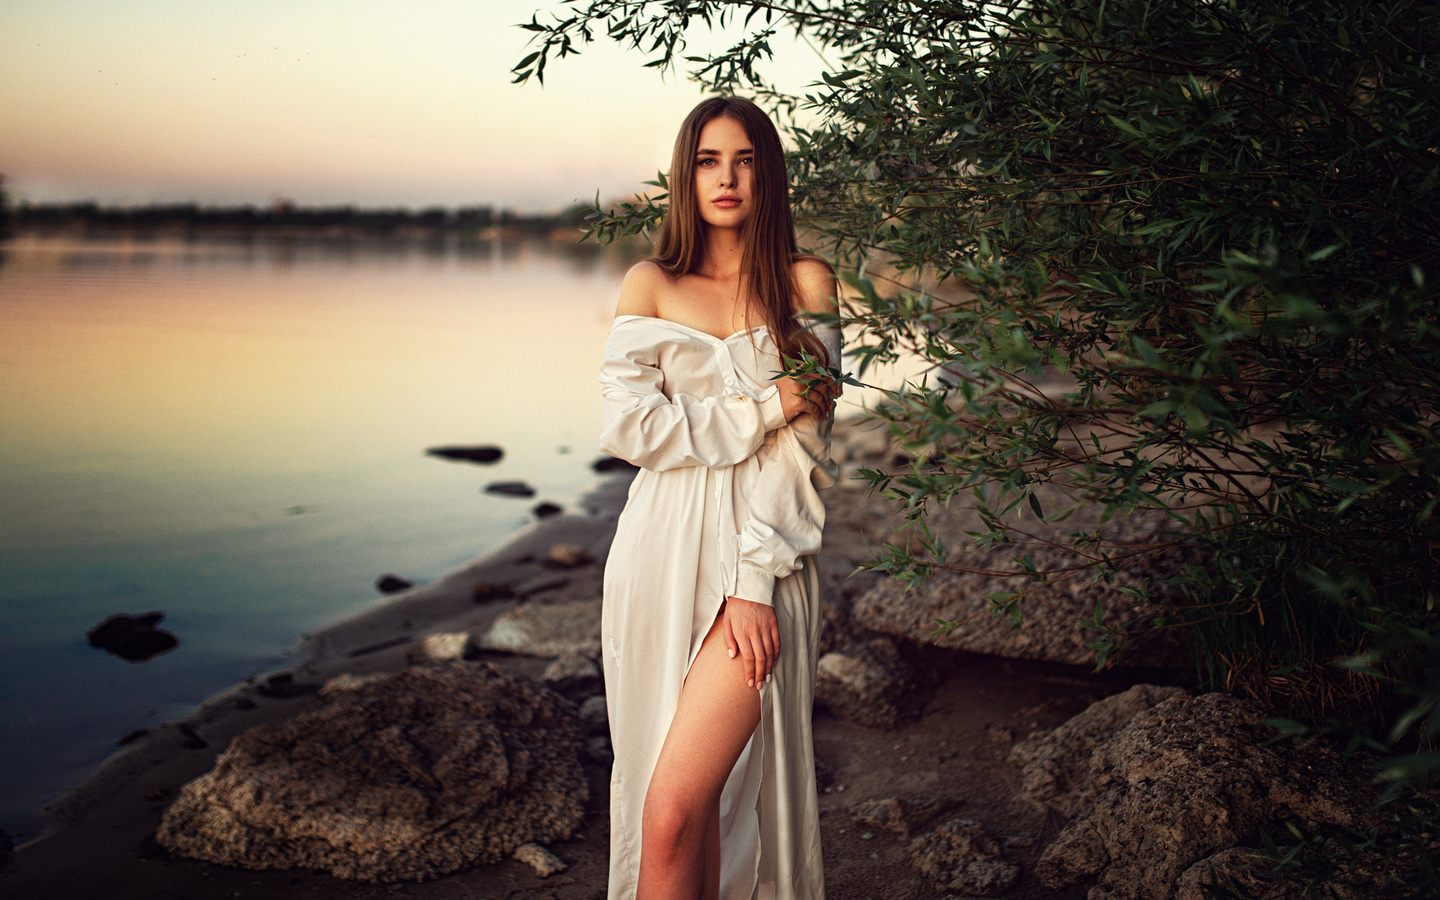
pixel 725 504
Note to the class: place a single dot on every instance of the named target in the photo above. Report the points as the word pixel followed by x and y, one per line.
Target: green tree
pixel 1217 218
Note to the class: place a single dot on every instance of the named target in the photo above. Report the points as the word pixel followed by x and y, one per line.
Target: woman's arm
pixel 783 525
pixel 786 515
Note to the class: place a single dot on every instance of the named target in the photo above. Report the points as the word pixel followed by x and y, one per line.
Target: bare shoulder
pixel 642 289
pixel 815 285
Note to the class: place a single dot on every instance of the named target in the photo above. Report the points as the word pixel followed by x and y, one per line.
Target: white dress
pixel 725 504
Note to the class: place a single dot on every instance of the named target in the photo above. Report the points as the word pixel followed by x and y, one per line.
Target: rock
pixel 573 674
pixel 485 592
pixel 902 816
pixel 546 510
pixel 392 584
pixel 425 772
pixel 510 488
pixel 613 464
pixel 468 454
pixel 540 584
pixel 1057 767
pixel 1256 876
pixel 133 638
pixel 347 681
pixel 873 684
pixel 962 857
pixel 595 715
pixel 547 629
pixel 443 647
pixel 190 739
pixel 282 685
pixel 567 556
pixel 837 628
pixel 598 750
pixel 887 814
pixel 1053 614
pixel 1233 865
pixel 1179 780
pixel 541 860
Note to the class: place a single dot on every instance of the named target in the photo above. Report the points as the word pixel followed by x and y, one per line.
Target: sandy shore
pixel 97 840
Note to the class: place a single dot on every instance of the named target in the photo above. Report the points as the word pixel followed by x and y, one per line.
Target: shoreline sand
pixel 98 840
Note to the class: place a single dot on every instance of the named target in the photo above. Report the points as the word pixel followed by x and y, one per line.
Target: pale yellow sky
pixel 373 102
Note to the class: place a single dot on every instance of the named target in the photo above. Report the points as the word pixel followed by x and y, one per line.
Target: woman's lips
pixel 726 202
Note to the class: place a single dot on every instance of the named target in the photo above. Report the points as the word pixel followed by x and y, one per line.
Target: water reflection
pixel 91 251
pixel 169 405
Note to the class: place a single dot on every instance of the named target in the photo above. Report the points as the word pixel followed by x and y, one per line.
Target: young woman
pixel 711 612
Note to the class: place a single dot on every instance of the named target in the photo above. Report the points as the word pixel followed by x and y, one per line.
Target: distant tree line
pixel 5 216
pixel 285 218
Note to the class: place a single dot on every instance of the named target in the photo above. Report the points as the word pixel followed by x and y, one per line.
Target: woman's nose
pixel 727 176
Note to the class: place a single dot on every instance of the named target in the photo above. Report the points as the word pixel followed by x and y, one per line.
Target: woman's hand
pixel 752 633
pixel 813 395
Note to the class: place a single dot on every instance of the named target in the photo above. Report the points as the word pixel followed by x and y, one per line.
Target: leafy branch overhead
pixel 1173 255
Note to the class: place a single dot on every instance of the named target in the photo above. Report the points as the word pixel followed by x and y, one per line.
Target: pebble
pixel 541 860
pixel 442 647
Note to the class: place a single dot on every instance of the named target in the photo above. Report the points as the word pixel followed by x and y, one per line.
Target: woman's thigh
pixel 715 717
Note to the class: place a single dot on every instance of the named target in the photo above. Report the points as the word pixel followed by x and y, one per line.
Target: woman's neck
pixel 723 253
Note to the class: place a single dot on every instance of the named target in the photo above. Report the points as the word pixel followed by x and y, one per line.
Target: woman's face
pixel 724 173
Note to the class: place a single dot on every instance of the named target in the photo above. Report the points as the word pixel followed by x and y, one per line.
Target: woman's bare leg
pixel 715 718
pixel 711 881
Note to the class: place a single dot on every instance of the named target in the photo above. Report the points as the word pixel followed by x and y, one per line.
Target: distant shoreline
pixel 478 223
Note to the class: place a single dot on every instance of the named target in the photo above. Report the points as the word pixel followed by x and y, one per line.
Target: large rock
pixel 901 815
pixel 510 489
pixel 963 857
pixel 482 454
pixel 1354 873
pixel 1057 766
pixel 872 683
pixel 133 638
pixel 1180 781
pixel 547 629
pixel 1054 614
pixel 410 777
pixel 574 676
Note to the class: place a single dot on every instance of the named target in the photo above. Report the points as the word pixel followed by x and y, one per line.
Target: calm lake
pixel 233 432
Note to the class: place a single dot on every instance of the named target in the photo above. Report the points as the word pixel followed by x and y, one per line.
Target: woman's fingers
pixel 756 634
pixel 821 401
pixel 815 396
pixel 794 397
pixel 821 396
pixel 753 653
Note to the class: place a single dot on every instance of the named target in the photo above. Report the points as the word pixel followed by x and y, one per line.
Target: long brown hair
pixel 768 236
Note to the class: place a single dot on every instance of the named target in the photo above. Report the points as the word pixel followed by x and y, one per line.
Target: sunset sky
pixel 372 102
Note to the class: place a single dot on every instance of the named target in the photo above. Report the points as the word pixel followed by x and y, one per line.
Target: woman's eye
pixel 707 161
pixel 747 161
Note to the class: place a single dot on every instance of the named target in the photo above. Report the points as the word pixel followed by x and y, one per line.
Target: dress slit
pixel 723 486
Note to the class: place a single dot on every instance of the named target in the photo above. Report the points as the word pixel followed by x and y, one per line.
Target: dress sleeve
pixel 641 424
pixel 786 515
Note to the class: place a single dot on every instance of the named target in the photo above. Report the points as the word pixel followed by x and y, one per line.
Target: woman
pixel 711 610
